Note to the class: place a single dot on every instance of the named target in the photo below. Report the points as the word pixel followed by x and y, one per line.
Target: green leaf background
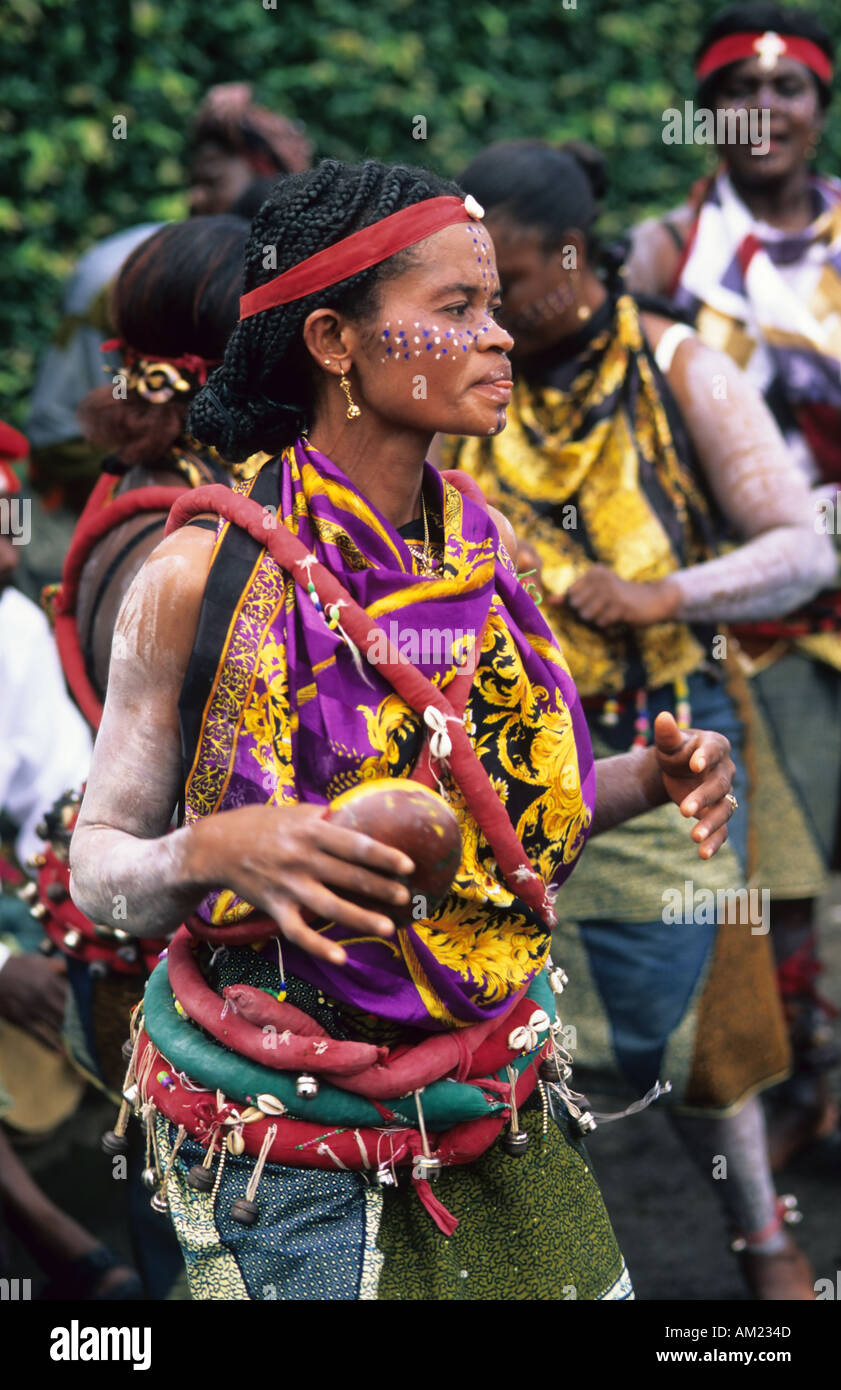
pixel 356 73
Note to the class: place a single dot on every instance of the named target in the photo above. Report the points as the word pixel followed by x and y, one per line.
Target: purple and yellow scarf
pixel 277 708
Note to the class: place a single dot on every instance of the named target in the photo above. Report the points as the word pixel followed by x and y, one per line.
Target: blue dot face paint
pixel 400 346
pixel 482 251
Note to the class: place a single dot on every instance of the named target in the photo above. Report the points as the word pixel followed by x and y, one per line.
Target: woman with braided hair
pixel 319 1045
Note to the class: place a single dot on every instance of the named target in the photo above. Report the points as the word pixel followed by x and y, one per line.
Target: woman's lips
pixel 499 391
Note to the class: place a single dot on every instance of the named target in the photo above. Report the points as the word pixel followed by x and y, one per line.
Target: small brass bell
pixel 306 1087
pixel 200 1178
pixel 149 1178
pixel 244 1211
pixel 39 912
pixel 113 1143
pixel 72 939
pixel 385 1178
pixel 28 893
pixel 515 1142
pixel 586 1122
pixel 159 1203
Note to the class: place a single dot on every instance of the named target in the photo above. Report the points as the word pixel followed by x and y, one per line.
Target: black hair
pixel 761 16
pixel 177 294
pixel 262 395
pixel 553 189
pixel 178 291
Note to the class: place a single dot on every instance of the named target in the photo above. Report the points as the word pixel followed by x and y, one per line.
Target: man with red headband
pixel 755 258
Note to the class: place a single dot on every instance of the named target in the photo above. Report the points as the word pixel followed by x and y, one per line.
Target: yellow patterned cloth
pixel 279 709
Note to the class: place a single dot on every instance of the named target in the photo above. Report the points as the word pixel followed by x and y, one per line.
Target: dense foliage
pixel 357 74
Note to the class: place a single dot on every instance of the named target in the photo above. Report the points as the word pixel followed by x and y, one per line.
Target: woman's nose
pixel 493 335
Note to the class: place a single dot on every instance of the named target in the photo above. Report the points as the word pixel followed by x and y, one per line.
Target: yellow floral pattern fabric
pixel 252 738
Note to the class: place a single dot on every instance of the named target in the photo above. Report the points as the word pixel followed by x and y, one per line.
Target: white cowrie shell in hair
pixel 473 208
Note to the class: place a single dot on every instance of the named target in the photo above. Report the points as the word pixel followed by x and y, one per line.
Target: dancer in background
pixel 754 258
pixel 44 747
pixel 174 305
pixel 234 142
pixel 615 467
pixel 236 148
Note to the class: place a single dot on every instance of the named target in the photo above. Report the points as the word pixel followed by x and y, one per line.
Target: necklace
pixel 423 558
pixel 426 563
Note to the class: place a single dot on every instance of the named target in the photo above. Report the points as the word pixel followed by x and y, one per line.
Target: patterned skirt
pixel 529 1227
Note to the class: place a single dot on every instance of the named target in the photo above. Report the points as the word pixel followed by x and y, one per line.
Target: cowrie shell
pixel 270 1105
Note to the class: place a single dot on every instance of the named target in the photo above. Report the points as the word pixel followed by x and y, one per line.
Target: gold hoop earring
pixel 353 411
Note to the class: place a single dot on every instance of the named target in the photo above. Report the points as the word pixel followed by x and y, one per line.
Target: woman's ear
pixel 325 335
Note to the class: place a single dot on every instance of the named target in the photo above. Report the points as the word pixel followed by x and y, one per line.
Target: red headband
pixel 187 362
pixel 768 47
pixel 360 251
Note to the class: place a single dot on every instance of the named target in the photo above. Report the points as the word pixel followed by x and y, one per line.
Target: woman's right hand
pixel 285 860
pixel 288 860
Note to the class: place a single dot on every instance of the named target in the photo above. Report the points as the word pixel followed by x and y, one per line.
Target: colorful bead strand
pixel 642 722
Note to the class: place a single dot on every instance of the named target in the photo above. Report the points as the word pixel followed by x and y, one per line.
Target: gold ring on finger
pixel 731 798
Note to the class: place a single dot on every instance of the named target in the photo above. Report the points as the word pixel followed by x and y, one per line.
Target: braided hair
pixel 263 394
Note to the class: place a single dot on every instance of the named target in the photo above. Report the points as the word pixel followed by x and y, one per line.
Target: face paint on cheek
pixel 395 342
pixel 385 339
